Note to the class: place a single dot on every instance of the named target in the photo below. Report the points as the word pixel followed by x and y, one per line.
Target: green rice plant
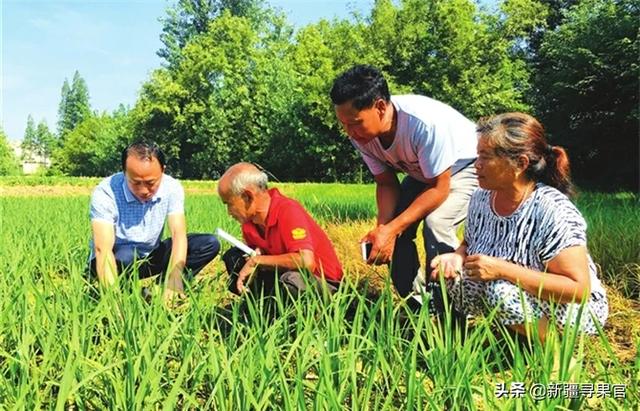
pixel 613 237
pixel 66 344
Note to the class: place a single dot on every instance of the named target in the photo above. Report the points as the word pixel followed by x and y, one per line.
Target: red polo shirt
pixel 289 229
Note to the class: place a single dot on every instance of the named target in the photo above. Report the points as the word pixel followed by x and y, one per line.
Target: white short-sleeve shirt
pixel 430 137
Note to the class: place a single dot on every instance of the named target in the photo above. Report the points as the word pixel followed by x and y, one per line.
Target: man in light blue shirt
pixel 128 211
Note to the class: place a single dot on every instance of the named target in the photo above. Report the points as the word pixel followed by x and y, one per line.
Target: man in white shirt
pixel 429 141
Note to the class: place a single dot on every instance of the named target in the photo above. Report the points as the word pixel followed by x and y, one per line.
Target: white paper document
pixel 237 243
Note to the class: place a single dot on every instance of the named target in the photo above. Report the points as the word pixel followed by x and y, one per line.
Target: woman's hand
pixel 449 264
pixel 480 267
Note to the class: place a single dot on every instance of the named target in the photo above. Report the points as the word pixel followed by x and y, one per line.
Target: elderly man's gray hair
pixel 251 177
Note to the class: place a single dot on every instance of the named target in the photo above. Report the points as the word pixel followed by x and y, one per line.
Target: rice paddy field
pixel 65 346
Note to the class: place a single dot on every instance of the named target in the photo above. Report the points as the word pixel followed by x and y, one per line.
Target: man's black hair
pixel 144 150
pixel 362 85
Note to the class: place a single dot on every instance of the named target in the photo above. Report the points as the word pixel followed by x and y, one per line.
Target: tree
pixel 38 142
pixel 315 147
pixel 555 14
pixel 29 143
pixel 238 88
pixel 46 141
pixel 63 118
pixel 74 105
pixel 189 18
pixel 8 161
pixel 459 55
pixel 93 147
pixel 587 84
pixel 224 101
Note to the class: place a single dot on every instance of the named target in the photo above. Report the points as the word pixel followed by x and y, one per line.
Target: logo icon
pixel 298 233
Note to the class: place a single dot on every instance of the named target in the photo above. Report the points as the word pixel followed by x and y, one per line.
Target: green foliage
pixel 64 345
pixel 74 105
pixel 46 140
pixel 240 85
pixel 205 112
pixel 93 147
pixel 8 161
pixel 523 18
pixel 241 88
pixel 458 55
pixel 555 13
pixel 312 147
pixel 588 82
pixel 38 142
pixel 63 117
pixel 189 18
pixel 29 143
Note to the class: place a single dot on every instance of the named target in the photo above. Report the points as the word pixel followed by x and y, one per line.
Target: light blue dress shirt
pixel 138 225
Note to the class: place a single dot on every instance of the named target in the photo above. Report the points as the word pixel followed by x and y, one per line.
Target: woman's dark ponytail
pixel 557 172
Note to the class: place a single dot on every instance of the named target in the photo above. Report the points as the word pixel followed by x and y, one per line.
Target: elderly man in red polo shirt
pixel 288 241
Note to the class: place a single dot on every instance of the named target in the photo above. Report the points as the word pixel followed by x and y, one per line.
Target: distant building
pixel 30 162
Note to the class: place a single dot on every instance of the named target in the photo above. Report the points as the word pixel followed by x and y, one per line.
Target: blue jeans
pixel 201 249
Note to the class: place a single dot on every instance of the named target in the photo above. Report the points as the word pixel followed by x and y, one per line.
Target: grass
pixel 62 347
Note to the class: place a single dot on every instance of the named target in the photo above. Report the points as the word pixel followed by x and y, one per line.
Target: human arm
pixel 294 229
pixel 178 228
pixel 384 235
pixel 103 213
pixel 387 195
pixel 103 241
pixel 302 259
pixel 566 280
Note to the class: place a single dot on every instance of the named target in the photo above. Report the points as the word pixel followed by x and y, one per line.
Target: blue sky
pixel 112 44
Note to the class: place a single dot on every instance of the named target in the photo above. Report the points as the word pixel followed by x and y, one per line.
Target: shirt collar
pixel 276 200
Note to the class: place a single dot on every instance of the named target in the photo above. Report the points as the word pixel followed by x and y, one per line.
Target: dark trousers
pixel 264 281
pixel 405 261
pixel 201 249
pixel 439 233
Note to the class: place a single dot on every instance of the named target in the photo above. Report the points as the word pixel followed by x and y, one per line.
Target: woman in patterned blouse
pixel 524 252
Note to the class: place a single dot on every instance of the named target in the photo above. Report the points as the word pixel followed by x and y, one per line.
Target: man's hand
pixel 108 277
pixel 449 264
pixel 480 267
pixel 246 271
pixel 383 241
pixel 174 290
